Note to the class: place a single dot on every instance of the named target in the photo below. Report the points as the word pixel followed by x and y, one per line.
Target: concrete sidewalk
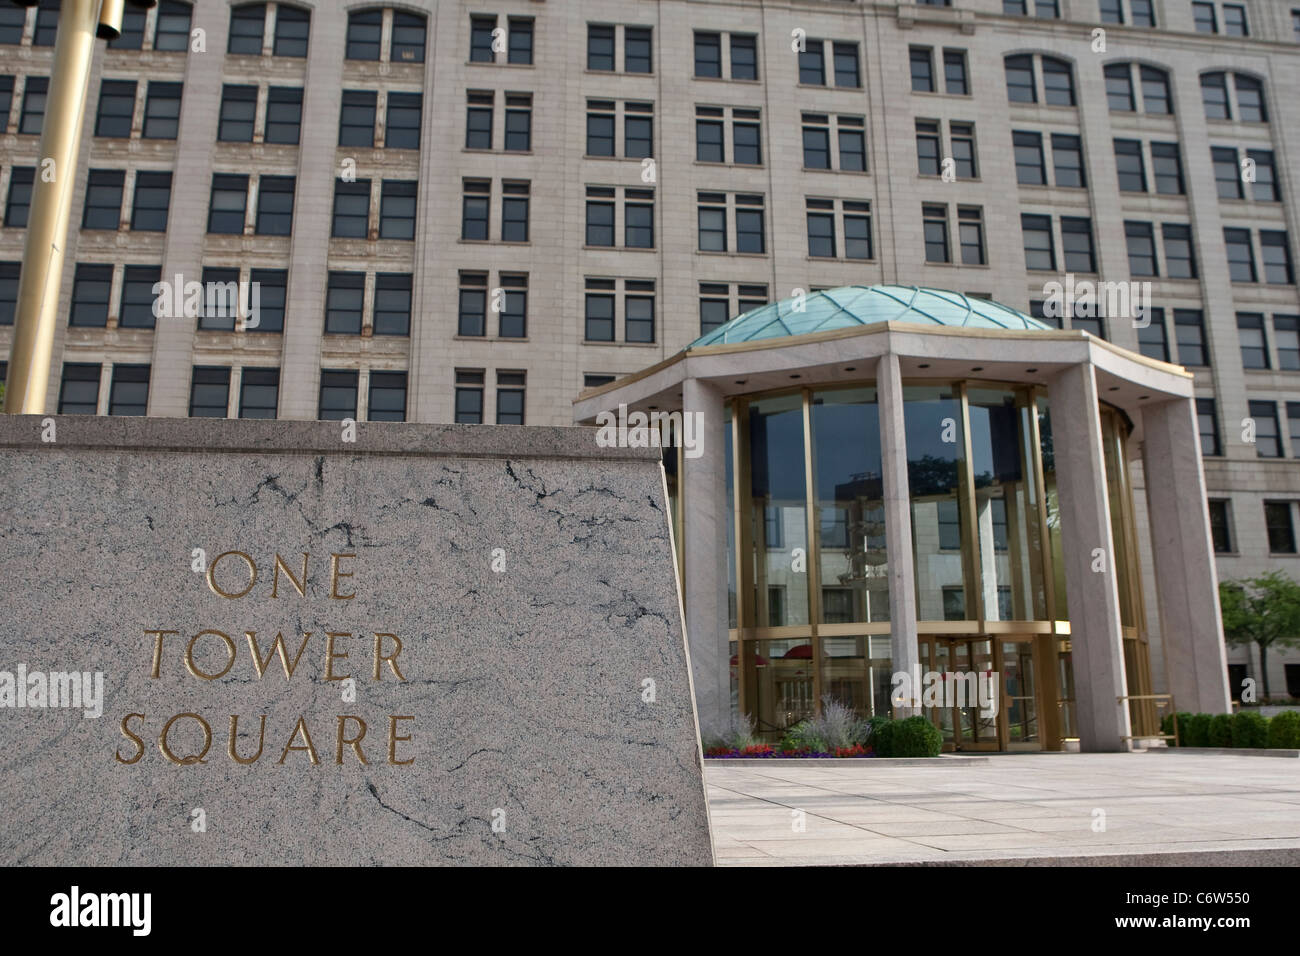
pixel 1014 807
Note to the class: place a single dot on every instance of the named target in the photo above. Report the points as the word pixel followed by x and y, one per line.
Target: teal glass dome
pixel 860 305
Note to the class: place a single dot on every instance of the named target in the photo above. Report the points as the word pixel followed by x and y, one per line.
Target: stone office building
pixel 473 212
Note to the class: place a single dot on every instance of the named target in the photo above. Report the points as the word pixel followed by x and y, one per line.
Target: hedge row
pixel 1245 728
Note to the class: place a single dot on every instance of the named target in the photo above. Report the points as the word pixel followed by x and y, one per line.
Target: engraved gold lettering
pixel 126 732
pixel 234 732
pixel 157 650
pixel 212 578
pixel 259 662
pixel 301 726
pixel 355 742
pixel 390 658
pixel 193 758
pixel 393 738
pixel 194 668
pixel 330 654
pixel 299 586
pixel 335 574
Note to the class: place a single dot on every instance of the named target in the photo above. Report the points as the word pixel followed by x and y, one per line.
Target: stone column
pixel 1187 587
pixel 898 521
pixel 704 550
pixel 1095 633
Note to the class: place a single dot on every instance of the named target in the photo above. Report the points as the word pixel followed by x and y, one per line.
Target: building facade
pixel 472 212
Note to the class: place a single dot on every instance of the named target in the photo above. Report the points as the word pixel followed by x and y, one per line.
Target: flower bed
pixel 765 750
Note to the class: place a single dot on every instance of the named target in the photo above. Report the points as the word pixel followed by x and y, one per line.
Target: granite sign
pixel 248 642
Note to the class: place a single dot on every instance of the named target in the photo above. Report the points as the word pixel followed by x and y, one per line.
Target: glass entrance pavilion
pixel 891 480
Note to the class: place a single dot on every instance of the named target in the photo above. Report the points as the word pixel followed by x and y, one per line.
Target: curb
pixel 1229 751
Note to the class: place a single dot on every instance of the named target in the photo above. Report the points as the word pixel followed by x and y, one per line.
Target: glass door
pixel 1018 708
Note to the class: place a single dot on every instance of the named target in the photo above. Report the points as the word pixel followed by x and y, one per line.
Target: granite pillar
pixel 1186 583
pixel 1089 555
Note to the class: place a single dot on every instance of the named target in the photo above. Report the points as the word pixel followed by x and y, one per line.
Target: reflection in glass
pixel 783 684
pixel 778 510
pixel 1053 509
pixel 1018 694
pixel 729 507
pixel 857 672
pixel 1117 494
pixel 850 504
pixel 932 419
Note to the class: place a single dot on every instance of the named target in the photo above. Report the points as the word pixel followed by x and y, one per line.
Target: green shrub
pixel 1284 730
pixel 1221 730
pixel 1249 729
pixel 1197 731
pixel 736 734
pixel 839 726
pixel 1167 728
pixel 913 737
pixel 881 729
pixel 802 738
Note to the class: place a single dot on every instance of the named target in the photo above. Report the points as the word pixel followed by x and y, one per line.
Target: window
pixel 19 203
pixel 519 122
pixel 247 24
pixel 1128 163
pixel 844 57
pixel 513 317
pixel 469 396
pixel 1241 255
pixel 408 37
pixel 961 139
pixel 1250 99
pixel 272 292
pixel 746 136
pixel 1040 252
pixel 473 304
pixel 478 120
pixel 292 28
pixel 749 224
pixel 32 117
pixel 955 80
pixel 153 193
pixel 345 295
pixel 1268 440
pixel 397 209
pixel 129 392
pixel 639 309
pixel 1204 19
pixel 638 130
pixel 639 218
pixel 638 50
pixel 1167 168
pixel 744 57
pixel 1028 148
pixel 928 147
pixel 357 118
pixel 103 208
pixel 79 390
pixel 47 21
pixel 712 216
pixel 365 29
pixel 1207 421
pixel 1281 533
pixel 338 395
pixel 228 204
pixel 475 203
pixel 1021 87
pixel 600 47
pixel 514 212
pixel 135 308
pixel 275 205
pixel 238 114
pixel 852 143
pixel 387 402
pixel 7 99
pixel 9 274
pixel 922 61
pixel 1119 88
pixel 1227 176
pixel 221 300
pixel 1264 188
pixel 284 115
pixel 1275 255
pixel 351 209
pixel 1293 422
pixel 12 21
pixel 1254 343
pixel 1219 527
pixel 1155 90
pixel 821 228
pixel 510 397
pixel 600 216
pixel 161 111
pixel 1058 82
pixel 1140 237
pixel 857 230
pixel 1180 260
pixel 91 286
pixel 1189 336
pixel 715 306
pixel 708 55
pixel 970 233
pixel 1067 160
pixel 1214 95
pixel 520 44
pixel 259 392
pixel 1112 11
pixel 599 310
pixel 1286 338
pixel 116 109
pixel 816 141
pixel 600 128
pixel 209 392
pixel 173 30
pixel 392 308
pixel 1076 244
pixel 1234 20
pixel 480 39
pixel 934 220
pixel 1153 341
pixel 812 63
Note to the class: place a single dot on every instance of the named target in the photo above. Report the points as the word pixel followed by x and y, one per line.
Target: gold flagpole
pixel 80 21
